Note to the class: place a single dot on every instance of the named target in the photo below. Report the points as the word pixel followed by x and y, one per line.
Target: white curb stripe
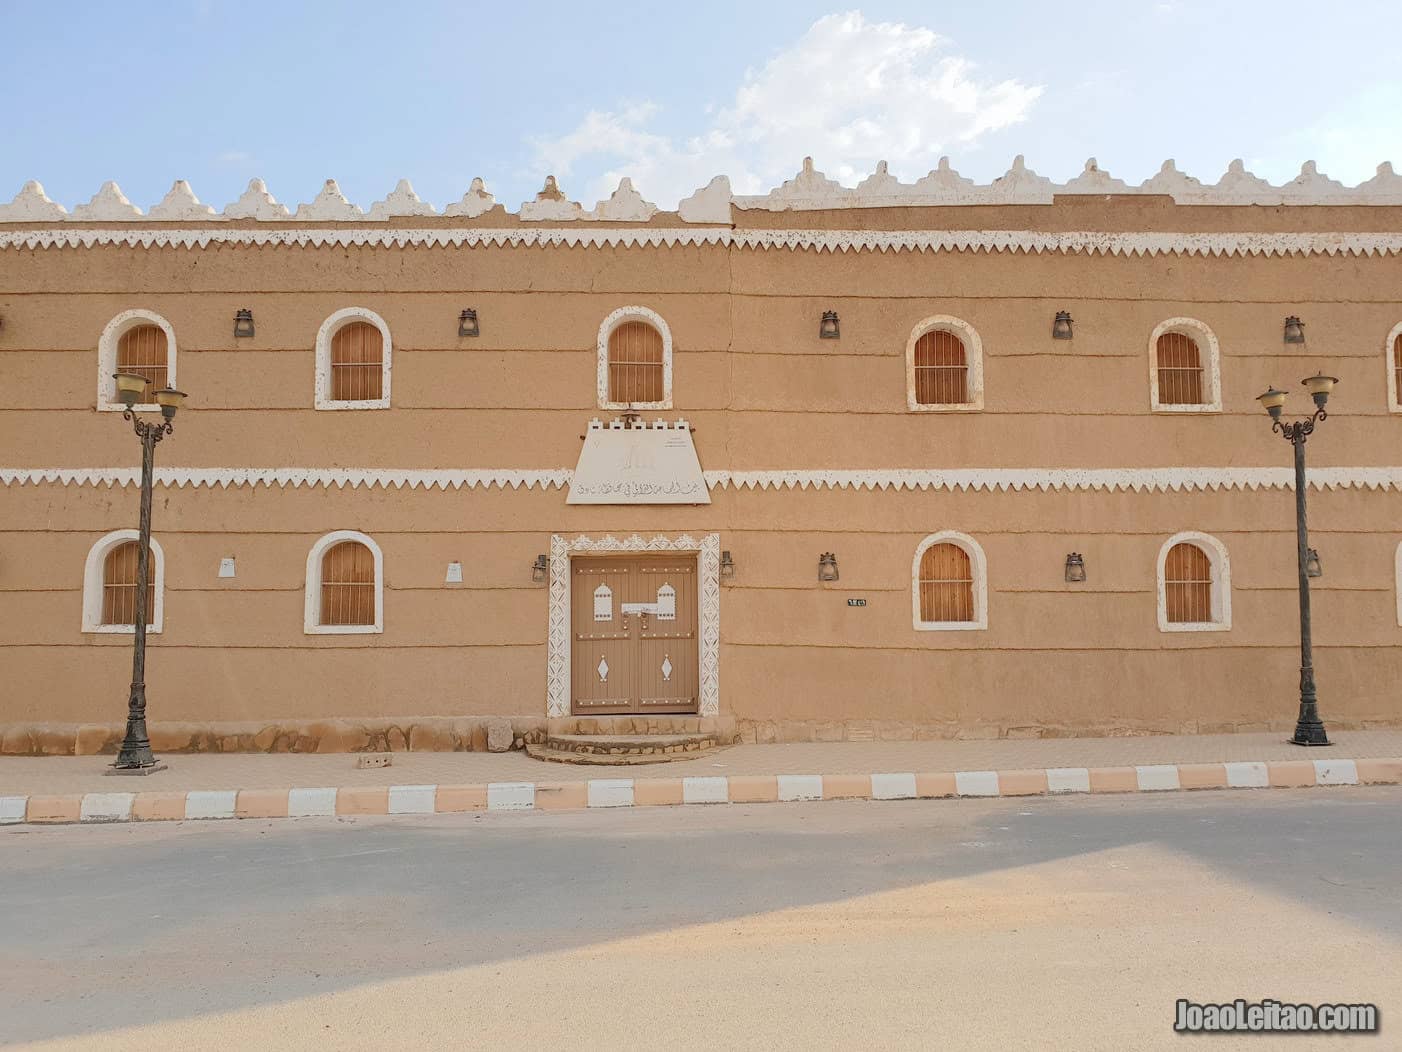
pixel 1068 779
pixel 310 803
pixel 106 807
pixel 976 783
pixel 800 787
pixel 412 799
pixel 706 790
pixel 1157 776
pixel 1335 772
pixel 510 796
pixel 12 809
pixel 893 787
pixel 1248 776
pixel 206 803
pixel 610 792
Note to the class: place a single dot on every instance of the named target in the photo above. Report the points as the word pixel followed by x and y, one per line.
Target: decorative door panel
pixel 634 644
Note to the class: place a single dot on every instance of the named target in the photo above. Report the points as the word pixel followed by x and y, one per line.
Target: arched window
pixel 635 363
pixel 345 585
pixel 949 583
pixel 1393 349
pixel 135 341
pixel 353 359
pixel 634 360
pixel 1194 584
pixel 1184 367
pixel 944 366
pixel 110 583
pixel 119 584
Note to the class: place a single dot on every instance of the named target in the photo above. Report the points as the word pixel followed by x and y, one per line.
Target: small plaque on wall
pixel 226 566
pixel 856 602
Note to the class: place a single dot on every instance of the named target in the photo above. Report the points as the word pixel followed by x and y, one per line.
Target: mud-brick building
pixel 897 461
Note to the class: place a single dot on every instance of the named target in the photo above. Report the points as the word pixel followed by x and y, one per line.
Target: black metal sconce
pixel 1075 568
pixel 1294 330
pixel 727 564
pixel 828 328
pixel 243 323
pixel 1312 564
pixel 539 567
pixel 467 323
pixel 827 567
pixel 1061 327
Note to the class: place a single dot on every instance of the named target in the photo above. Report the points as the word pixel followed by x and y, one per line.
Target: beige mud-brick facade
pixel 808 446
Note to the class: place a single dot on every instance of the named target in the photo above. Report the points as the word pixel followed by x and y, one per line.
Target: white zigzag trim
pixel 976 479
pixel 1068 242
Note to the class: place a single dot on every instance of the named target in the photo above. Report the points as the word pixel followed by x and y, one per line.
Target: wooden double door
pixel 633 642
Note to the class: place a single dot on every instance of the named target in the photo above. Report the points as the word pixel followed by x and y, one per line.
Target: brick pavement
pixel 199 771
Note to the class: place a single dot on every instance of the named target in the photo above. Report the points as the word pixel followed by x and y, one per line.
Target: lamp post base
pixel 1310 734
pixel 150 768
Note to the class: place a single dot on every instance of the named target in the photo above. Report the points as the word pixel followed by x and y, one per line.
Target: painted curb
pixel 205 804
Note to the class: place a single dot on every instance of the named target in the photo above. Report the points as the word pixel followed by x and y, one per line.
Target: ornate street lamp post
pixel 1309 729
pixel 135 756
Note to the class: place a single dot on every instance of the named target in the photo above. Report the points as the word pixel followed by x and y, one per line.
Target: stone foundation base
pixel 412 734
pixel 764 732
pixel 500 733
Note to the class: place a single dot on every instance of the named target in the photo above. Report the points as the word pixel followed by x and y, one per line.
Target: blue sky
pixel 671 94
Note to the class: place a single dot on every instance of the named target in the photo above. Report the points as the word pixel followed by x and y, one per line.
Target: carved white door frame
pixel 562 548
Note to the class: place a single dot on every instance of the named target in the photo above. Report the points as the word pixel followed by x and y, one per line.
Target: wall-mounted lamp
pixel 467 323
pixel 1312 566
pixel 1294 330
pixel 539 567
pixel 1075 568
pixel 727 564
pixel 828 328
pixel 243 323
pixel 1061 327
pixel 827 567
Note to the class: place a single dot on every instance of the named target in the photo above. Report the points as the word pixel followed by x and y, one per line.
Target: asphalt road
pixel 1039 923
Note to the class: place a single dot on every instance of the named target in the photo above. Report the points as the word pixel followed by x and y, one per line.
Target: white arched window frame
pixel 1394 396
pixel 973 358
pixel 978 565
pixel 93 584
pixel 1216 553
pixel 329 328
pixel 311 617
pixel 107 355
pixel 1397 578
pixel 1211 358
pixel 613 321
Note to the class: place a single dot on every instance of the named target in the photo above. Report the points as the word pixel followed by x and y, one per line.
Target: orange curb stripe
pixel 1291 774
pixel 54 809
pixel 261 803
pixel 363 800
pixel 1202 775
pixel 846 787
pixel 158 807
pixel 1379 772
pixel 648 792
pixel 1022 783
pixel 561 796
pixel 751 789
pixel 454 798
pixel 929 786
pixel 1114 780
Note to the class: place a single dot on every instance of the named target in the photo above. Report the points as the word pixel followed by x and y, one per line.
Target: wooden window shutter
pixel 119 577
pixel 1397 369
pixel 1180 370
pixel 143 350
pixel 1188 585
pixel 941 369
pixel 357 363
pixel 635 363
pixel 348 585
pixel 946 584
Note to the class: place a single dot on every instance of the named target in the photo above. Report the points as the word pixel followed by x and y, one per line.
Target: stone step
pixel 624 749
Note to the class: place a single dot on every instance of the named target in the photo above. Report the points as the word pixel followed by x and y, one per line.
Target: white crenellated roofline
pixel 809 189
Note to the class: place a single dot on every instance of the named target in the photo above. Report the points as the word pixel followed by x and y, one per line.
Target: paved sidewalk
pixel 45 775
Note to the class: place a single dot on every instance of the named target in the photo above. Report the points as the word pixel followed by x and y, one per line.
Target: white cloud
pixel 849 92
